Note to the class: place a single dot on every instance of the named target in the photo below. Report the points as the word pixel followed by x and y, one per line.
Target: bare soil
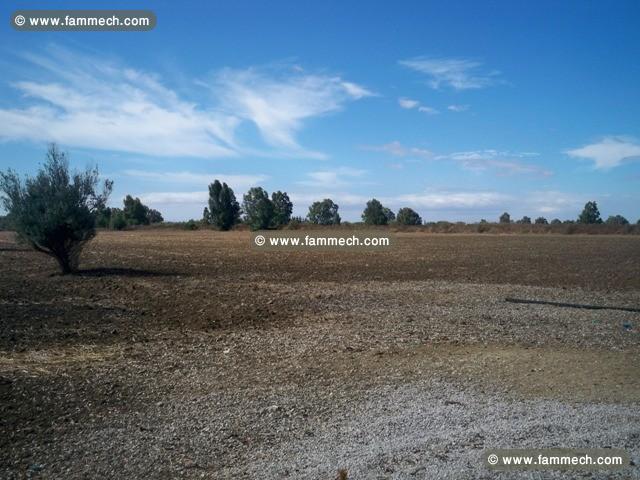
pixel 192 355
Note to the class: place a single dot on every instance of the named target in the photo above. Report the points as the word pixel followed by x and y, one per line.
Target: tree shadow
pixel 122 272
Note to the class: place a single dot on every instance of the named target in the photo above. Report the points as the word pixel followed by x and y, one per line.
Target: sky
pixel 460 109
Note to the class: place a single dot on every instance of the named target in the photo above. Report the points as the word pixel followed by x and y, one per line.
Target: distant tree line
pixel 590 215
pixel 134 212
pixel 57 211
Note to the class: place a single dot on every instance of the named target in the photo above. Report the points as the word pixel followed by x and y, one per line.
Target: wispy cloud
pixel 82 101
pixel 458 108
pixel 409 104
pixel 608 153
pixel 503 162
pixel 396 149
pixel 428 110
pixel 337 178
pixel 456 73
pixel 452 200
pixel 280 104
pixel 236 181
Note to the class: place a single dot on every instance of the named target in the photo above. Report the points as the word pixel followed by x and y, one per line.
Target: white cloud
pixel 458 108
pixel 88 102
pixel 94 104
pixel 610 152
pixel 451 200
pixel 279 106
pixel 408 103
pixel 457 73
pixel 236 181
pixel 396 149
pixel 429 110
pixel 175 198
pixel 339 177
pixel 504 163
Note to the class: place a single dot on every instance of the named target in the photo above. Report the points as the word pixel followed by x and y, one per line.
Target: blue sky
pixel 460 110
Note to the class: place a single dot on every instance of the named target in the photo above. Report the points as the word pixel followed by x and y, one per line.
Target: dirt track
pixel 191 354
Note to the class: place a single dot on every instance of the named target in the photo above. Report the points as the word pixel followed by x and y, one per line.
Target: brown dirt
pixel 161 318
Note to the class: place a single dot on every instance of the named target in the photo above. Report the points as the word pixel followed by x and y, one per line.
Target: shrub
pixel 505 218
pixel 55 212
pixel 117 220
pixel 408 216
pixel 324 213
pixel 541 221
pixel 191 225
pixel 556 221
pixel 525 220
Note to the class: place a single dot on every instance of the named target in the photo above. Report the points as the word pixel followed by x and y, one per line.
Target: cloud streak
pixel 81 101
pixel 455 73
pixel 279 106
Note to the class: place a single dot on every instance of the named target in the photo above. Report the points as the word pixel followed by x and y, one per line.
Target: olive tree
pixel 55 211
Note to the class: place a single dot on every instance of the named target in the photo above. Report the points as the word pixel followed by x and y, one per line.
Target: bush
pixel 117 220
pixel 505 218
pixel 55 212
pixel 191 225
pixel 541 221
pixel 524 220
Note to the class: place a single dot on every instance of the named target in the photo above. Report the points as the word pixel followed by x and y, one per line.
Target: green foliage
pixel 590 214
pixel 224 210
pixel 324 213
pixel 191 225
pixel 5 223
pixel 541 221
pixel 524 220
pixel 617 220
pixel 375 213
pixel 117 220
pixel 505 218
pixel 154 216
pixel 258 209
pixel 135 212
pixel 55 212
pixel 282 208
pixel 408 216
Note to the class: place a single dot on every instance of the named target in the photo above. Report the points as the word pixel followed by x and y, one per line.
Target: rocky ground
pixel 191 355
